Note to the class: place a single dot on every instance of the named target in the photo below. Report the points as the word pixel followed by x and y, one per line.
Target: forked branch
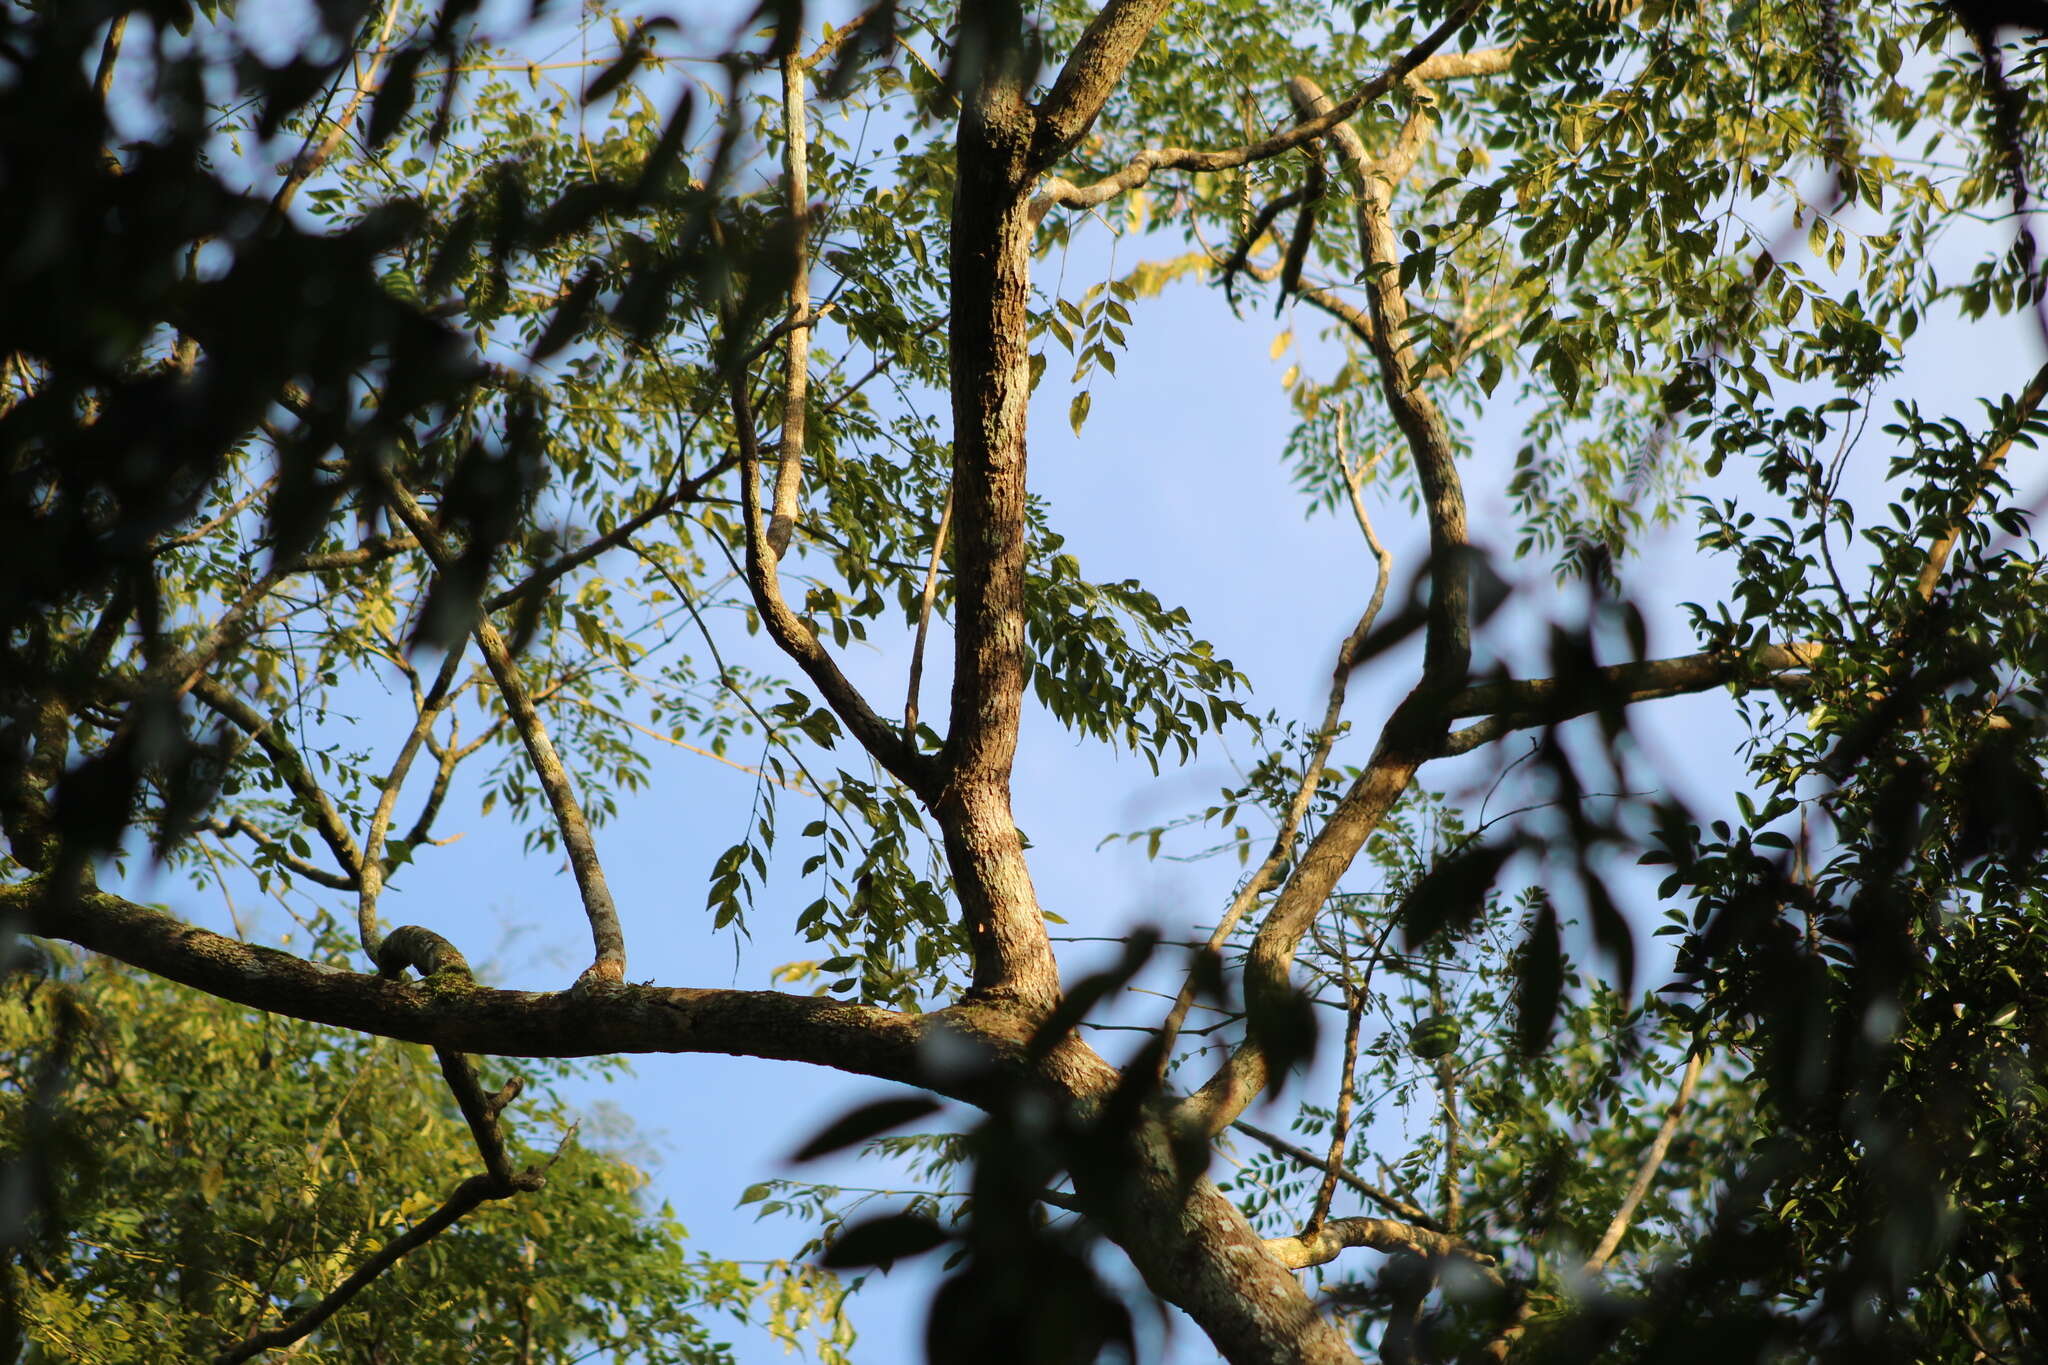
pixel 1061 193
pixel 609 964
pixel 1414 733
pixel 793 635
pixel 498 1180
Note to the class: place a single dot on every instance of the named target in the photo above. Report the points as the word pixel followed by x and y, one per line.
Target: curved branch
pixel 278 849
pixel 1447 647
pixel 1415 732
pixel 448 1012
pixel 794 636
pixel 318 810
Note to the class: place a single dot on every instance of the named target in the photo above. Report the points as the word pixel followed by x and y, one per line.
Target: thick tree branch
pixel 1091 73
pixel 990 380
pixel 1058 192
pixel 608 942
pixel 448 1012
pixel 1522 704
pixel 1452 66
pixel 1447 648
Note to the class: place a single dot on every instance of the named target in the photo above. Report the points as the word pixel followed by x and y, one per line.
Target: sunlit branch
pixel 658 737
pixel 1092 70
pixel 1447 645
pixel 1523 704
pixel 2030 401
pixel 313 156
pixel 1653 1160
pixel 1340 1121
pixel 796 356
pixel 1332 1239
pixel 1413 734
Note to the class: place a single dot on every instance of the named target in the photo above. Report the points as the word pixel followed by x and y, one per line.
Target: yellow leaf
pixel 1293 373
pixel 1281 343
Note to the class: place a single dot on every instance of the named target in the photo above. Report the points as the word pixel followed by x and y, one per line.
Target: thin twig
pixel 311 158
pixel 1652 1160
pixel 1392 1203
pixel 1340 1126
pixel 371 884
pixel 1312 775
pixel 924 619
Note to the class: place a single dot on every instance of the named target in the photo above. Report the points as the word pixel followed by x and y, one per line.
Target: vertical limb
pixel 991 388
pixel 1447 1089
pixel 796 352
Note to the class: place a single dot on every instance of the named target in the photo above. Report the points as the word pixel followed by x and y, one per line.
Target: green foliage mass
pixel 192 1171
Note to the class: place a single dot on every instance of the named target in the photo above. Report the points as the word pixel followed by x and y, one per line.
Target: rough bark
pixel 991 388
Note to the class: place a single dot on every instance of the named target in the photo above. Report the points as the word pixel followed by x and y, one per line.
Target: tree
pixel 207 1168
pixel 571 369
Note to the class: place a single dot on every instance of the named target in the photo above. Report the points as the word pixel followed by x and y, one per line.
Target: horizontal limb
pixel 454 1014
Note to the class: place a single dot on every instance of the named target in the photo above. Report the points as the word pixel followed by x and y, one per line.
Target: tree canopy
pixel 408 406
